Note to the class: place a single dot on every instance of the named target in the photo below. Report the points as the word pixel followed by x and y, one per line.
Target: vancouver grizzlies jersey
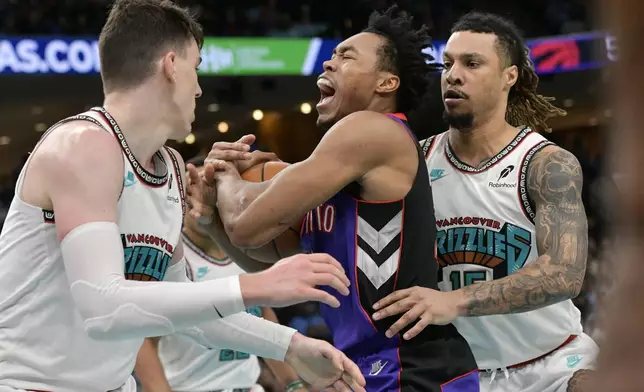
pixel 383 247
pixel 485 223
pixel 43 345
pixel 190 366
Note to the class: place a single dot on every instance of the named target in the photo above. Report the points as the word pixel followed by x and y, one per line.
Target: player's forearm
pixel 244 227
pixel 149 369
pixel 534 286
pixel 115 308
pixel 246 333
pixel 284 374
pixel 217 232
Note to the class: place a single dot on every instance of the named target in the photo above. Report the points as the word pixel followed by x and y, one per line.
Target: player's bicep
pixel 555 183
pixel 83 180
pixel 348 152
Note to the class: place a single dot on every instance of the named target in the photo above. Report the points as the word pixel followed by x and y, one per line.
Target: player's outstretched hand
pixel 295 280
pixel 238 153
pixel 429 307
pixel 200 197
pixel 323 366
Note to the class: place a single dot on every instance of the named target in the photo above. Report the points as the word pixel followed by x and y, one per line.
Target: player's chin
pixel 324 122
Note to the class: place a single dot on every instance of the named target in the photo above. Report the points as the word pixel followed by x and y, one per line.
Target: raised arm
pixel 253 214
pixel 554 184
pixel 82 172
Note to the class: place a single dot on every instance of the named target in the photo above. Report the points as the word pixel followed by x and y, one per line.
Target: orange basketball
pixel 288 243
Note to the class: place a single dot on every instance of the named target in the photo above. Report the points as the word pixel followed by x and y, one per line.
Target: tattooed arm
pixel 554 184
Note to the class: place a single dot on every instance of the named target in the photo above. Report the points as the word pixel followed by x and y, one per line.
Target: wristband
pixel 294 385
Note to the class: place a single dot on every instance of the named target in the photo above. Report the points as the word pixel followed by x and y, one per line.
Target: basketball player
pixel 178 363
pixel 512 232
pixel 99 199
pixel 371 207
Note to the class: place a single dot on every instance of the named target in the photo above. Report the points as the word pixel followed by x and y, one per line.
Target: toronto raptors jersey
pixel 190 366
pixel 387 246
pixel 485 231
pixel 43 345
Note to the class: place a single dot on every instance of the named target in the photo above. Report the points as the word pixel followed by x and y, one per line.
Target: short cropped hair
pixel 136 33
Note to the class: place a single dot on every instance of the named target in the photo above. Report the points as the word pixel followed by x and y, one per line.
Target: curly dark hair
pixel 525 105
pixel 402 54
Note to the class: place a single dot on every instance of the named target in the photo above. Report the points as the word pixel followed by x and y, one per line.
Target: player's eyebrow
pixel 466 56
pixel 344 49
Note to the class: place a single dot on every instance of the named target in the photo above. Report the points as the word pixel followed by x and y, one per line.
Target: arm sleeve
pixel 115 308
pixel 240 332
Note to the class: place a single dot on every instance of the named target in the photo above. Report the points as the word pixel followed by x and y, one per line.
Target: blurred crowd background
pixel 230 106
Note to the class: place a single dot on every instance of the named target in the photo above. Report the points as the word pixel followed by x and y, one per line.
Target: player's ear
pixel 168 65
pixel 387 83
pixel 510 76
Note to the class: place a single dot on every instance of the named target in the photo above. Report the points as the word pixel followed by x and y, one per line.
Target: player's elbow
pixel 244 236
pixel 575 289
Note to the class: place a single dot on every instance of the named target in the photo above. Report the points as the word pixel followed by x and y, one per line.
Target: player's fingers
pixel 247 139
pixel 317 295
pixel 392 298
pixel 396 308
pixel 193 174
pixel 228 155
pixel 341 386
pixel 352 374
pixel 409 317
pixel 237 146
pixel 422 323
pixel 324 258
pixel 209 170
pixel 332 269
pixel 257 157
pixel 328 279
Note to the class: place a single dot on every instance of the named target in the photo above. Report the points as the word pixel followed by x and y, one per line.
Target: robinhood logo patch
pixel 253 56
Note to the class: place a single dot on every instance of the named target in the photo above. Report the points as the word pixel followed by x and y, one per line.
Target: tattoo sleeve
pixel 554 184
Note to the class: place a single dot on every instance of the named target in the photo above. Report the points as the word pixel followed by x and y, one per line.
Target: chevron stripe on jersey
pixel 379 249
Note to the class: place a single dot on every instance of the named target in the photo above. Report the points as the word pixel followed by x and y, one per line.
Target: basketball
pixel 288 243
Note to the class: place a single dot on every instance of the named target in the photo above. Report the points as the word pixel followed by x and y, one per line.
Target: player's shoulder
pixel 78 146
pixel 80 139
pixel 552 155
pixel 376 127
pixel 364 119
pixel 431 140
pixel 553 165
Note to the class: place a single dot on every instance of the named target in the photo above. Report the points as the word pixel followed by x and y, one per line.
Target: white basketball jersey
pixel 190 366
pixel 43 345
pixel 485 231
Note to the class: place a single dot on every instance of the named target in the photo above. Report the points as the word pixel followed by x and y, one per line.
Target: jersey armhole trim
pixel 527 204
pixel 428 146
pixel 177 173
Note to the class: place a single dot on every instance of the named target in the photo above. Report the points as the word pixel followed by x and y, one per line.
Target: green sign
pixel 256 56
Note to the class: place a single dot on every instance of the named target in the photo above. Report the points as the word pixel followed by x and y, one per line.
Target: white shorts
pixel 558 372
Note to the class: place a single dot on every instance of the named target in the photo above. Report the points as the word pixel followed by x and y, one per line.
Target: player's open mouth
pixel 327 91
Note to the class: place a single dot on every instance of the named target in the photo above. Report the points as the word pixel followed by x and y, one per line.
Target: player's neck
pixel 141 121
pixel 204 243
pixel 476 146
